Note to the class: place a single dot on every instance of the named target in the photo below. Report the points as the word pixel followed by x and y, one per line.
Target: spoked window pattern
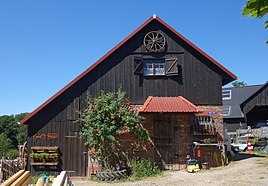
pixel 154 67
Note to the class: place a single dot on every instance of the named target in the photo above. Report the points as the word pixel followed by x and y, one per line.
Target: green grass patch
pixel 256 153
pixel 34 179
pixel 144 168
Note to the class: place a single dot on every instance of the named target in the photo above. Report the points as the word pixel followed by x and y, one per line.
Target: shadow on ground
pixel 242 156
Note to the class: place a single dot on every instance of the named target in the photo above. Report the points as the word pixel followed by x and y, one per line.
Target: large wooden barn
pixel 177 86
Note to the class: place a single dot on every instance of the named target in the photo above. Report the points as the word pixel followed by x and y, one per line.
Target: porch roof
pixel 168 104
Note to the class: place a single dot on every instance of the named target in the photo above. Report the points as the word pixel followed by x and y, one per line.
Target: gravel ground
pixel 243 172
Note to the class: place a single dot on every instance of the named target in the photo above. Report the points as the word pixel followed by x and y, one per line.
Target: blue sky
pixel 46 44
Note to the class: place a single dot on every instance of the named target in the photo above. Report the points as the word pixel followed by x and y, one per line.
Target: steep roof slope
pixel 259 101
pixel 238 96
pixel 227 76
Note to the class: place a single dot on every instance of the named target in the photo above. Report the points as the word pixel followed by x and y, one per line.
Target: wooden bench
pixel 21 178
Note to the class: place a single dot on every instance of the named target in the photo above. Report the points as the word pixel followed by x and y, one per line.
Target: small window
pixel 226 94
pixel 226 110
pixel 154 67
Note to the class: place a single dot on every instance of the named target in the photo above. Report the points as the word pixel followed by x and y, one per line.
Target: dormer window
pixel 154 67
pixel 226 110
pixel 226 94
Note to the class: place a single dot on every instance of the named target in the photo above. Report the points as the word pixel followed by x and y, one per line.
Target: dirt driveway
pixel 245 171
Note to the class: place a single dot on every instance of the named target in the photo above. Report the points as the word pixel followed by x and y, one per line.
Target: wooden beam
pixel 22 180
pixel 13 178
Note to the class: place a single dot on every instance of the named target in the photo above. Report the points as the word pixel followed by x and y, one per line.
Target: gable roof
pixel 265 85
pixel 226 74
pixel 168 104
pixel 238 96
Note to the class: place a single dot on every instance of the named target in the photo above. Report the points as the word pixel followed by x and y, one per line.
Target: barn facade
pixel 153 61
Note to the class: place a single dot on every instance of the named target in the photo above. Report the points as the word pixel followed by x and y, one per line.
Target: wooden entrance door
pixel 164 139
pixel 75 156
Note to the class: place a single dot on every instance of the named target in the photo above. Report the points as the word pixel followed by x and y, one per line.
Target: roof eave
pixel 232 76
pixel 86 71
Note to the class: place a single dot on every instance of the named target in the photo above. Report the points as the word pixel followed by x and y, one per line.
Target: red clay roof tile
pixel 168 104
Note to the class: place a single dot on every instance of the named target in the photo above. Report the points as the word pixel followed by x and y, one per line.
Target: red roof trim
pixel 86 71
pixel 142 109
pixel 198 49
pixel 113 50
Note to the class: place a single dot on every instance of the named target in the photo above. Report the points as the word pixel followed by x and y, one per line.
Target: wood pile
pixel 21 178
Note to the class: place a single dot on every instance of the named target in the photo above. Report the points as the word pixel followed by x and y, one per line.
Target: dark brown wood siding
pixel 260 98
pixel 59 118
pixel 198 80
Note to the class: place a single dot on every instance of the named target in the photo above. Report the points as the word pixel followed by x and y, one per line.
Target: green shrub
pixel 34 179
pixel 144 168
pixel 106 121
pixel 253 141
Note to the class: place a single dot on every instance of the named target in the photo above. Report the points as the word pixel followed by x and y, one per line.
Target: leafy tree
pixel 239 84
pixel 5 144
pixel 21 136
pixel 256 8
pixel 107 120
pixel 10 127
pixel 12 153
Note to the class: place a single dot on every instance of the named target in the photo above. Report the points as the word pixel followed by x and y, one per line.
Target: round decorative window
pixel 154 41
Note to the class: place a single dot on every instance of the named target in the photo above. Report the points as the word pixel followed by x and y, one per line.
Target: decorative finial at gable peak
pixel 154 16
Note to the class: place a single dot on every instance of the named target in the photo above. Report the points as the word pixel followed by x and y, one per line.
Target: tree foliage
pixel 5 143
pixel 105 121
pixel 239 84
pixel 11 133
pixel 256 8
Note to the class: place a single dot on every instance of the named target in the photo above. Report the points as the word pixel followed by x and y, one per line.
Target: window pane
pixel 226 94
pixel 154 67
pixel 148 68
pixel 226 110
pixel 159 69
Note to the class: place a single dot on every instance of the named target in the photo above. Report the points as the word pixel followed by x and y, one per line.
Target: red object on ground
pixel 250 147
pixel 198 152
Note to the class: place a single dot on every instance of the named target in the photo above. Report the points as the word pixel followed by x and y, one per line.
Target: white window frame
pixel 226 93
pixel 155 63
pixel 229 110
